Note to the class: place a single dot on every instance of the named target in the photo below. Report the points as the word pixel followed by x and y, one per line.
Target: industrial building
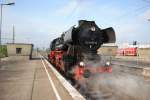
pixel 144 52
pixel 19 49
pixel 134 50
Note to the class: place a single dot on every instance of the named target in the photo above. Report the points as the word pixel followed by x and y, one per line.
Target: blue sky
pixel 40 21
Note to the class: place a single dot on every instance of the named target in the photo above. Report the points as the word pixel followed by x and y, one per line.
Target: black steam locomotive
pixel 72 52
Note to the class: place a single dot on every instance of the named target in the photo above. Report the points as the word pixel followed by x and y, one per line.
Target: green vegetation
pixel 3 51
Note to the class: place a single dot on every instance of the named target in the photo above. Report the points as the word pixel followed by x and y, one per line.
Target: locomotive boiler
pixel 74 49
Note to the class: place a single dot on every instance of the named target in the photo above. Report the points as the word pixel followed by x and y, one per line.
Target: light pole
pixel 3 4
pixel 13 35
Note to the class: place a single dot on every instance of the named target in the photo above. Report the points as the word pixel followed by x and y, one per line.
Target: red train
pixel 130 51
pixel 74 54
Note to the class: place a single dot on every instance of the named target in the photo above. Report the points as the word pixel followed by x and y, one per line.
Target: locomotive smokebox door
pixel 110 36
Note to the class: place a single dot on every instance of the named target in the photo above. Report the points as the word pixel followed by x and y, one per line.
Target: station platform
pixel 24 79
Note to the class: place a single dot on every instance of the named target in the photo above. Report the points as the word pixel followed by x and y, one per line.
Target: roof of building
pixel 110 45
pixel 126 45
pixel 19 44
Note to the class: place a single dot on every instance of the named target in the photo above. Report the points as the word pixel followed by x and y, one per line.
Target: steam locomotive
pixel 74 53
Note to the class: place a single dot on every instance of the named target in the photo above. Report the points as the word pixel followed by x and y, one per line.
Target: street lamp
pixel 3 4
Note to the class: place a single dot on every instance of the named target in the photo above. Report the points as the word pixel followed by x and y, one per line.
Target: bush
pixel 3 51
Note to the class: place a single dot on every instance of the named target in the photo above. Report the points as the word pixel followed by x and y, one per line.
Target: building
pixel 19 49
pixel 108 50
pixel 141 50
pixel 144 52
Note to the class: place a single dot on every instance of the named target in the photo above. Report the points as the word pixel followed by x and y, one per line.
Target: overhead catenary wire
pixel 133 12
pixel 147 1
pixel 69 17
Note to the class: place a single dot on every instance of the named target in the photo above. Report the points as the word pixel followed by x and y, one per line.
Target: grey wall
pixel 108 50
pixel 26 49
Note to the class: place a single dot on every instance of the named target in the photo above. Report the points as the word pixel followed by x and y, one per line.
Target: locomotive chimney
pixel 85 22
pixel 81 22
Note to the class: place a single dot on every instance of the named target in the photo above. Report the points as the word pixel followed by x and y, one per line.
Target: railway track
pixel 116 86
pixel 113 86
pixel 137 70
pixel 103 90
pixel 109 86
pixel 128 69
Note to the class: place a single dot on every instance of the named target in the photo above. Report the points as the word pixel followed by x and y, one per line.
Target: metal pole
pixel 1 24
pixel 1 32
pixel 2 19
pixel 13 34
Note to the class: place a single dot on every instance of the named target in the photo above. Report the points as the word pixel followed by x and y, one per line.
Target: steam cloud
pixel 114 86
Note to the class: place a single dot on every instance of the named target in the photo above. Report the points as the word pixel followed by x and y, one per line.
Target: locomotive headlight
pixel 107 63
pixel 93 28
pixel 82 64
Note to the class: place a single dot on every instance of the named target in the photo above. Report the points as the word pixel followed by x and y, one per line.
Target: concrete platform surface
pixel 24 79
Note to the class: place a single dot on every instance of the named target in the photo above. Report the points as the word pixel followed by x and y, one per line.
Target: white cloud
pixel 132 30
pixel 74 7
pixel 146 14
pixel 67 9
pixel 44 29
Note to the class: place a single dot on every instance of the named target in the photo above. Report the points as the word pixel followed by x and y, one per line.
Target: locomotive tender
pixel 77 46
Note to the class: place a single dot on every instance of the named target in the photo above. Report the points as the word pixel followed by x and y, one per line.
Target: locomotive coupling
pixel 87 73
